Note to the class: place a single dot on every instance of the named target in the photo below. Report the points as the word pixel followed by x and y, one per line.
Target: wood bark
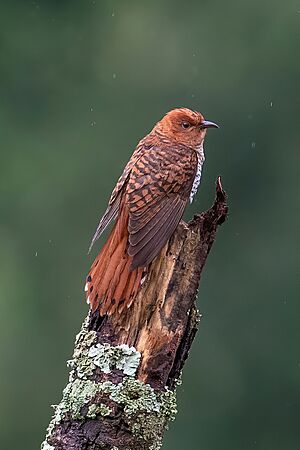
pixel 125 369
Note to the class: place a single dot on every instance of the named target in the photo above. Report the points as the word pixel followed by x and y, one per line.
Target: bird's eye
pixel 185 125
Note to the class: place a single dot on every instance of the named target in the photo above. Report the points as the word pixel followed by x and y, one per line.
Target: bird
pixel 146 206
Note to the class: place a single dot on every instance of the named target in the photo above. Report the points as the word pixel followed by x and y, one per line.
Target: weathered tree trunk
pixel 124 372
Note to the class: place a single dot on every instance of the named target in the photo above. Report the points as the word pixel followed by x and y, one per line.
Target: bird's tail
pixel 111 285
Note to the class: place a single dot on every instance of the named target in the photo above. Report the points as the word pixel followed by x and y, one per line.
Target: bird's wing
pixel 157 192
pixel 113 208
pixel 110 214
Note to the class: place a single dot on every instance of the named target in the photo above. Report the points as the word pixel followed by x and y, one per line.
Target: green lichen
pixel 88 355
pixel 150 427
pixel 135 396
pixel 75 396
pixel 168 406
pixel 82 365
pixel 146 412
pixel 120 357
pixel 95 410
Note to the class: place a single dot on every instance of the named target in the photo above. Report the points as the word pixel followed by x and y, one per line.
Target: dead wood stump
pixel 121 393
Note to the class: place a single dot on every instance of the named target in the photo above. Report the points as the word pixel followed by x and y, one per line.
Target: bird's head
pixel 184 126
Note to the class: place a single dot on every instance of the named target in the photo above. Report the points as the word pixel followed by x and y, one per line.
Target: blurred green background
pixel 81 82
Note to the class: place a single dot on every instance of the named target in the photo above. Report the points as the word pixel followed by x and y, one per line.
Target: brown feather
pixel 148 203
pixel 112 283
pixel 151 245
pixel 138 239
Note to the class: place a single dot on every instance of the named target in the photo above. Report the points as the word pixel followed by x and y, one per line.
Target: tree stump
pixel 121 393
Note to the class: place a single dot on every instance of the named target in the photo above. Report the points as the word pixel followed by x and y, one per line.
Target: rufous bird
pixel 148 202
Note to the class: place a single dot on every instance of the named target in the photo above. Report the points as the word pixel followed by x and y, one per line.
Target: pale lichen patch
pixel 46 446
pixel 75 396
pixel 146 412
pixel 95 410
pixel 82 365
pixel 88 355
pixel 136 396
pixel 168 408
pixel 121 357
pixel 150 426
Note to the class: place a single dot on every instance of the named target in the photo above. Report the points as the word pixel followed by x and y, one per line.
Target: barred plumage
pixel 148 203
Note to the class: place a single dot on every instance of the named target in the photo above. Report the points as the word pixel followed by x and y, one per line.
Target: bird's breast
pixel 197 179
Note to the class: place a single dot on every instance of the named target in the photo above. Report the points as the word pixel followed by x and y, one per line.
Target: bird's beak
pixel 208 124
